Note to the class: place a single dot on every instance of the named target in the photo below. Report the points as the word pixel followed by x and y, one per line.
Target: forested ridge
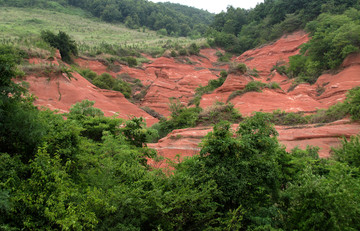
pixel 239 30
pixel 172 19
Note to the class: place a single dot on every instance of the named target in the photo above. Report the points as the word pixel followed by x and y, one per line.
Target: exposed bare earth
pixel 179 77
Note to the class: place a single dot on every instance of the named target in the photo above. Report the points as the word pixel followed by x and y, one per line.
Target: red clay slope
pixel 167 78
pixel 178 78
pixel 185 142
pixel 303 98
pixel 59 93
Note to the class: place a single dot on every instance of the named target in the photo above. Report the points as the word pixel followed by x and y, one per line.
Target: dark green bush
pixel 281 69
pixel 279 117
pixel 237 68
pixel 106 81
pixel 173 54
pixel 212 85
pixel 63 42
pixel 333 113
pixel 223 74
pixel 183 52
pixel 273 85
pixel 353 102
pixel 254 86
pixel 349 153
pixel 131 61
pixel 194 49
pixel 251 86
pixel 217 112
pixel 88 74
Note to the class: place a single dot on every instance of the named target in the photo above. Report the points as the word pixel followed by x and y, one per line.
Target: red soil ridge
pixel 167 78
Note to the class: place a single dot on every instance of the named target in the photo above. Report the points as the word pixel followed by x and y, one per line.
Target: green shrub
pixel 84 108
pixel 353 102
pixel 281 69
pixel 88 74
pixel 273 85
pixel 223 74
pixel 181 117
pixel 122 87
pixel 279 117
pixel 237 68
pixel 212 85
pixel 131 61
pixel 152 112
pixel 235 94
pixel 223 57
pixel 251 86
pixel 217 112
pixel 183 52
pixel 254 72
pixel 254 86
pixel 63 42
pixel 106 81
pixel 194 49
pixel 349 153
pixel 333 113
pixel 173 54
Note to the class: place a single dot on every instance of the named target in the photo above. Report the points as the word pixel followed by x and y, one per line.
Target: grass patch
pixel 212 85
pixel 186 117
pixel 152 112
pixel 23 26
pixel 217 112
pixel 46 70
pixel 226 57
pixel 237 68
pixel 253 86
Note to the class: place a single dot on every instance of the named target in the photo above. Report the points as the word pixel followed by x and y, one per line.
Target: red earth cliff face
pixel 166 78
pixel 58 92
pixel 185 142
pixel 304 98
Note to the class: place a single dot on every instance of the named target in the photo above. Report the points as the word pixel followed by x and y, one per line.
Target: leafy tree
pixel 349 153
pixel 20 124
pixel 327 202
pixel 63 42
pixel 244 167
pixel 84 108
pixel 194 49
pixel 353 103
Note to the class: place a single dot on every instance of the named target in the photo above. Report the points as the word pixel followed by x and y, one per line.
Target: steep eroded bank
pixel 168 78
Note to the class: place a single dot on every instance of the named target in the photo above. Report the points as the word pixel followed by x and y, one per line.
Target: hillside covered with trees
pixel 171 19
pixel 239 30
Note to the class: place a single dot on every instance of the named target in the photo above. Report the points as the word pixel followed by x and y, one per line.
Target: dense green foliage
pixel 90 172
pixel 333 38
pixel 63 42
pixel 253 86
pixel 238 30
pixel 106 81
pixel 187 117
pixel 84 171
pixel 212 85
pixel 173 19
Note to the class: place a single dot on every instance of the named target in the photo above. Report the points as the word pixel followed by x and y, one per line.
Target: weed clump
pixel 237 68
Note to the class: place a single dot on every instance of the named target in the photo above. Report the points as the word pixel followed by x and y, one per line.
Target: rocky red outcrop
pixel 177 78
pixel 185 142
pixel 59 93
